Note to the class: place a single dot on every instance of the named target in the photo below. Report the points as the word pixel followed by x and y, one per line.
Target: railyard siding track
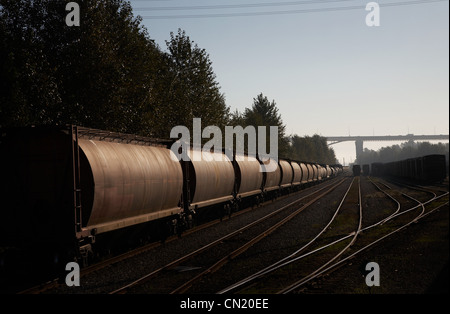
pixel 115 275
pixel 212 257
pixel 359 247
pixel 410 262
pixel 283 242
pixel 425 246
pixel 345 220
pixel 414 261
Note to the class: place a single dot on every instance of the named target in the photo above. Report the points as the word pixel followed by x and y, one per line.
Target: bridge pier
pixel 359 148
pixel 359 140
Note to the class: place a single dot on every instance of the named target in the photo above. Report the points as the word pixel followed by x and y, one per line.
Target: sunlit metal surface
pixel 132 183
pixel 329 171
pixel 323 172
pixel 320 171
pixel 214 177
pixel 286 172
pixel 305 174
pixel 251 178
pixel 272 177
pixel 310 172
pixel 315 172
pixel 297 173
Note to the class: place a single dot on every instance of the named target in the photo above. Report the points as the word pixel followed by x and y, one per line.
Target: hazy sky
pixel 328 72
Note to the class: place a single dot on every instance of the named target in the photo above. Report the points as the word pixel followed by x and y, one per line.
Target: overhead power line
pixel 240 6
pixel 266 13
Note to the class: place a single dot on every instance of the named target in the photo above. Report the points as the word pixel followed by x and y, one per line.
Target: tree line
pixel 109 74
pixel 403 151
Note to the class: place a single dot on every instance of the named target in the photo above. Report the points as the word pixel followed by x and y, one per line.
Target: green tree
pixel 302 148
pixel 313 149
pixel 265 113
pixel 236 118
pixel 29 91
pixel 99 75
pixel 403 151
pixel 186 88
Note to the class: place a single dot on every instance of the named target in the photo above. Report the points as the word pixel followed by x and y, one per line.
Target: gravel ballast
pixel 413 261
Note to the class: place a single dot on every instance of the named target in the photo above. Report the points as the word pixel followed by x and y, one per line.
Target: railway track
pixel 391 227
pixel 337 244
pixel 399 219
pixel 211 257
pixel 348 207
pixel 56 283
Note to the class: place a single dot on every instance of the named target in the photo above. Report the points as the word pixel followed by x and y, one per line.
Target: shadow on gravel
pixel 441 283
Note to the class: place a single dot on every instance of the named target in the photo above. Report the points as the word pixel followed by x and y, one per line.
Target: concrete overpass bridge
pixel 359 140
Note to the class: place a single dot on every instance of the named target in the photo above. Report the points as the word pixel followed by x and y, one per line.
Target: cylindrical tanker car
pixel 68 190
pixel 62 188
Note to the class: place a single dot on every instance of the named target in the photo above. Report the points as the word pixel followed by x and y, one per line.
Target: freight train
pixel 70 192
pixel 426 169
pixel 356 169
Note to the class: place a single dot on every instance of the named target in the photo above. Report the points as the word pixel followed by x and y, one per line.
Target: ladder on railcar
pixel 76 179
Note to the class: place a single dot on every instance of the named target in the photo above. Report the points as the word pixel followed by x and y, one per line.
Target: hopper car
pixel 70 192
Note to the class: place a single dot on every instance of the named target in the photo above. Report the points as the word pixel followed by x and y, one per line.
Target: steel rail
pixel 288 259
pixel 247 245
pixel 282 262
pixel 55 282
pixel 152 274
pixel 421 215
pixel 373 243
pixel 389 196
pixel 318 271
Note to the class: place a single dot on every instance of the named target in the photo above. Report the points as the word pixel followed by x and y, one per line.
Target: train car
pixel 334 171
pixel 322 172
pixel 305 173
pixel 431 168
pixel 272 179
pixel 404 168
pixel 211 179
pixel 68 192
pixel 426 169
pixel 297 174
pixel 356 170
pixel 411 169
pixel 365 170
pixel 64 188
pixel 311 172
pixel 337 169
pixel 126 184
pixel 377 169
pixel 287 174
pixel 316 174
pixel 249 178
pixel 319 172
pixel 392 169
pixel 249 181
pixel 329 171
